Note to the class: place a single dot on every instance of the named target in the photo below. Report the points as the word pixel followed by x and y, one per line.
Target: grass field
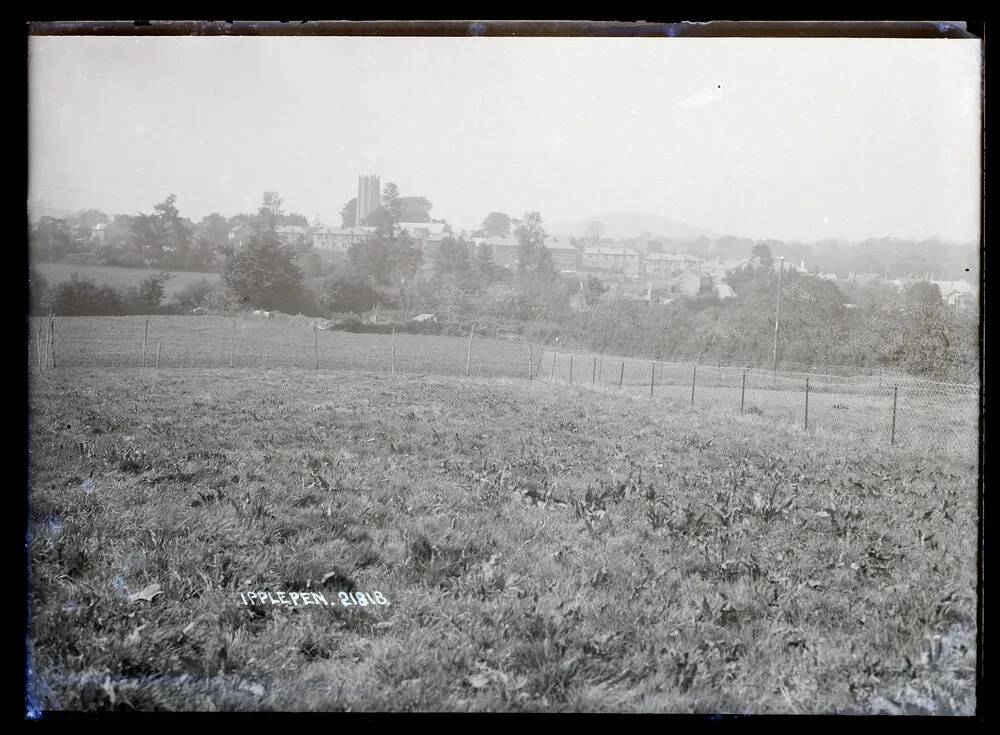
pixel 115 276
pixel 541 547
pixel 943 418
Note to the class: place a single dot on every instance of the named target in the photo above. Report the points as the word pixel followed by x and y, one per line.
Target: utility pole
pixel 777 315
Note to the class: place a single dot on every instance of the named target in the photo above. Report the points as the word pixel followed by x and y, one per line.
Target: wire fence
pixel 876 408
pixel 901 411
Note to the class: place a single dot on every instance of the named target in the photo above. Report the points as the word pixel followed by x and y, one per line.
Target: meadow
pixel 541 547
pixel 117 276
pixel 943 417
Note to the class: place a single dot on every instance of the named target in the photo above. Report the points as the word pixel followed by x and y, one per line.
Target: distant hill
pixel 629 225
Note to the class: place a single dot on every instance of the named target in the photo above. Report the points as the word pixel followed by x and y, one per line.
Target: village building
pixel 620 260
pixel 665 264
pixel 566 257
pixel 339 239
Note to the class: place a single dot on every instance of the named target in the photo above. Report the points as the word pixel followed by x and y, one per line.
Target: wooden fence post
pixel 593 374
pixel 393 364
pixel 652 378
pixel 538 368
pixel 232 347
pixel 38 344
pixel 159 343
pixel 316 345
pixel 807 404
pixel 621 376
pixel 552 372
pixel 571 368
pixel 743 391
pixel 694 376
pixel 530 362
pixel 468 357
pixel 895 392
pixel 52 340
pixel 145 333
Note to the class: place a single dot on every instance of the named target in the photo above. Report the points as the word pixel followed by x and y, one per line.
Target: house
pixel 239 235
pixel 956 292
pixel 292 234
pixel 421 230
pixel 621 260
pixel 719 268
pixel 566 257
pixel 98 232
pixel 690 283
pixel 339 239
pixel 665 264
pixel 505 250
pixel 425 318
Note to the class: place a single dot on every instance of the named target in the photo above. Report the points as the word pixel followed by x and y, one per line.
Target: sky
pixel 795 139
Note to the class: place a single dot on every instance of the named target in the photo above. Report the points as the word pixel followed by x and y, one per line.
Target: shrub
pixel 83 297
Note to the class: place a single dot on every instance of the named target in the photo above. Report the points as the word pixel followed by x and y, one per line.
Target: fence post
pixel 232 347
pixel 538 368
pixel 621 377
pixel 145 333
pixel 720 371
pixel 593 374
pixel 571 368
pixel 530 362
pixel 52 340
pixel 743 391
pixel 159 343
pixel 895 392
pixel 652 378
pixel 694 376
pixel 552 372
pixel 600 370
pixel 38 344
pixel 807 404
pixel 468 357
pixel 393 366
pixel 316 345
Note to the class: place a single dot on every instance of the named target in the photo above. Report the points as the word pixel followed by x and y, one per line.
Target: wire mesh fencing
pixel 900 411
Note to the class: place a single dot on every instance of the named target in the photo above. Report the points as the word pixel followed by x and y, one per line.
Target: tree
pixel 386 260
pixel 496 224
pixel 88 218
pixel 51 238
pixel 272 204
pixel 149 295
pixel 452 256
pixel 593 289
pixel 922 293
pixel 263 273
pixel 164 237
pixel 391 205
pixel 83 297
pixel 763 252
pixel 349 213
pixel 414 209
pixel 532 254
pixel 343 293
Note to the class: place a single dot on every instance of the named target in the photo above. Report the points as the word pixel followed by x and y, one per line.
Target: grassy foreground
pixel 536 553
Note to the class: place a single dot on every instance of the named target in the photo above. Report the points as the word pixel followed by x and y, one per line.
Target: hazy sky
pixel 787 138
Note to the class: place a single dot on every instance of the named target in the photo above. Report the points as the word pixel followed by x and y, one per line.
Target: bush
pixel 83 297
pixel 202 293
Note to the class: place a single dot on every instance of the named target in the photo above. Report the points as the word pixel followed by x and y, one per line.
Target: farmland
pixel 116 276
pixel 542 546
